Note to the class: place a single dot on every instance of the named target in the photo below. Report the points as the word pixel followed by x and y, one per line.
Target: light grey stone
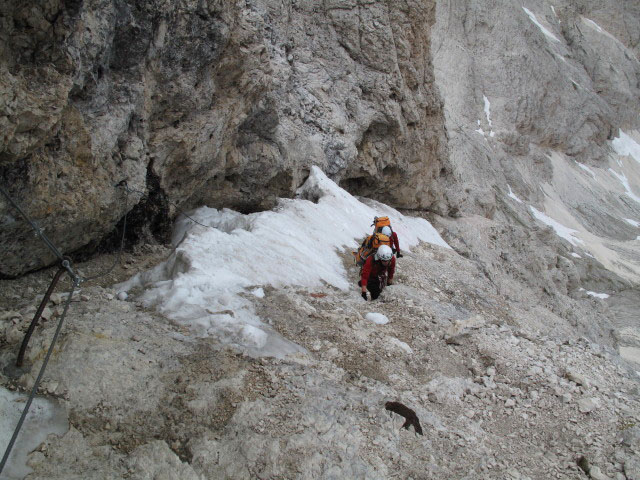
pixel 586 405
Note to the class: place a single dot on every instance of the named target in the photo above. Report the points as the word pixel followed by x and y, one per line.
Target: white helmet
pixel 384 253
pixel 386 231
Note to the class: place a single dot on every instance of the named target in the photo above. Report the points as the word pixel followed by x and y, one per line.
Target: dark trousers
pixel 375 285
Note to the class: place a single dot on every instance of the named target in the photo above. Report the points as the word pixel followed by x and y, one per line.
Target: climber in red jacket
pixel 394 238
pixel 377 272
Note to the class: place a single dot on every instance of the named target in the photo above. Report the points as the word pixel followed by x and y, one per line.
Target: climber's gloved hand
pixel 364 295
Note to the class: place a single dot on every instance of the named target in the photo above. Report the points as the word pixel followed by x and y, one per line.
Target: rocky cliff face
pixel 218 103
pixel 535 79
pixel 547 93
pixel 513 127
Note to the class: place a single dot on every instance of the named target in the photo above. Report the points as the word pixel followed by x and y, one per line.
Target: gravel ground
pixel 502 389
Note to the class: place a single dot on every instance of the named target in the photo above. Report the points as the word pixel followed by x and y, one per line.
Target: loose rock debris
pixel 503 402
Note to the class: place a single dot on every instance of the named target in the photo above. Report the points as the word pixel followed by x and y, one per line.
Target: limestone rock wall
pixel 520 81
pixel 441 106
pixel 535 94
pixel 207 102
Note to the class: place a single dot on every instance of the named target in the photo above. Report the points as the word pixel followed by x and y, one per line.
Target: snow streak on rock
pixel 539 25
pixel 562 231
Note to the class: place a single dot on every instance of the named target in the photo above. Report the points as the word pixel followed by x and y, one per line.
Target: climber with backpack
pixel 370 246
pixel 383 225
pixel 382 235
pixel 394 239
pixel 377 272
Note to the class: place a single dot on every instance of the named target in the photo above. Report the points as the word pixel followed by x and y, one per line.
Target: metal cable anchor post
pixel 66 264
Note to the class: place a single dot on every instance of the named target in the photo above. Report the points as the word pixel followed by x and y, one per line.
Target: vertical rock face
pixel 539 78
pixel 535 96
pixel 220 103
pixel 444 106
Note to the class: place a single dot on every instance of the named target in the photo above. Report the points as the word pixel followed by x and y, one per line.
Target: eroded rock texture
pixel 220 103
pixel 520 82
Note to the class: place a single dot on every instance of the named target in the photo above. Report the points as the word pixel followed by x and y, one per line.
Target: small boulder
pixel 588 404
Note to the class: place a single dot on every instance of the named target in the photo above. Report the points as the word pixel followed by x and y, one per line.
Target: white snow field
pixel 206 282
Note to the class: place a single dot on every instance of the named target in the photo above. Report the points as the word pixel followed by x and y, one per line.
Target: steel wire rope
pixel 66 265
pixel 38 314
pixel 40 375
pixel 130 190
pixel 64 261
pixel 75 283
pixel 39 232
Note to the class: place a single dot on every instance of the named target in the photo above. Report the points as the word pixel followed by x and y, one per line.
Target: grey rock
pixel 156 459
pixel 10 315
pixel 577 378
pixel 586 405
pixel 194 105
pixel 631 437
pixel 13 334
pixel 467 111
pixel 632 466
pixel 596 474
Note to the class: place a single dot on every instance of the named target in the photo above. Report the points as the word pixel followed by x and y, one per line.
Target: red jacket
pixel 372 267
pixel 396 243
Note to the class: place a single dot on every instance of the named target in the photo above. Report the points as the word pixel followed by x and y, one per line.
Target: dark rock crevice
pixel 149 221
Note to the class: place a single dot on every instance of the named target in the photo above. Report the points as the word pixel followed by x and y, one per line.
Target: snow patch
pixel 44 418
pixel 632 222
pixel 487 113
pixel 601 296
pixel 586 169
pixel 562 231
pixel 599 29
pixel 593 24
pixel 533 18
pixel 513 195
pixel 625 145
pixel 377 318
pixel 625 183
pixel 487 109
pixel 209 281
pixel 598 295
pixel 557 55
pixel 258 292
